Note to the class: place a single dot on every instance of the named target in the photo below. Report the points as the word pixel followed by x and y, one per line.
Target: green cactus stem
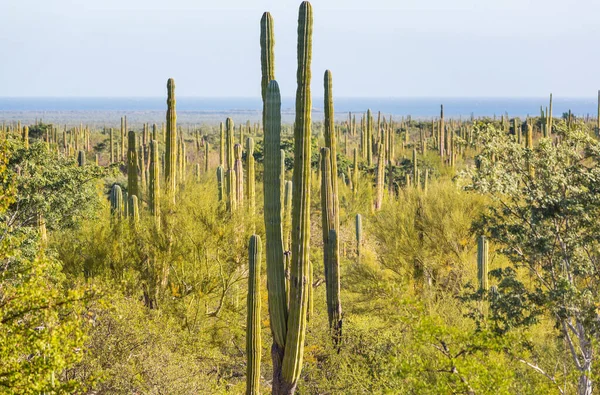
pixel 112 146
pixel 116 201
pixel 154 185
pixel 250 176
pixel 206 151
pixel 81 158
pixel 171 142
pixel 379 180
pixel 239 175
pixel 132 174
pixel 358 232
pixel 482 263
pixel 220 182
pixel 267 55
pixel 134 214
pixel 230 172
pixel 253 335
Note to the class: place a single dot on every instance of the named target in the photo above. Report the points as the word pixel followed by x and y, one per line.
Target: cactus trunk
pixel 253 339
pixel 171 144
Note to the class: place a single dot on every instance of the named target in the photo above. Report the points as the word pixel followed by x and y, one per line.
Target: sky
pixel 374 48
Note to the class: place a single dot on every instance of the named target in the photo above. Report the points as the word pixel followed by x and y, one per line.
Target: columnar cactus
pixel 442 133
pixel 273 228
pixel 253 336
pixel 132 175
pixel 287 216
pixel 134 213
pixel 116 201
pixel 369 138
pixel 171 141
pixel 415 167
pixel 123 138
pixel 267 55
pixel 220 182
pixel 81 158
pixel 26 137
pixel 550 116
pixel 250 176
pixel 355 172
pixel 142 171
pixel 239 175
pixel 330 252
pixel 153 187
pixel 482 263
pixel 230 173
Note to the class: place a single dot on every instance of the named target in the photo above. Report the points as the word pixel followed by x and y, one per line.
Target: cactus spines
pixel 230 173
pixel 239 175
pixel 132 175
pixel 253 339
pixel 116 201
pixel 81 158
pixel 250 176
pixel 273 228
pixel 482 263
pixel 220 183
pixel 171 141
pixel 154 189
pixel 300 265
pixel 267 55
pixel 358 230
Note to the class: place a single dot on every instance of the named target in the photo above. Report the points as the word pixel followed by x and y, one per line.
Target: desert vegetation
pixel 359 254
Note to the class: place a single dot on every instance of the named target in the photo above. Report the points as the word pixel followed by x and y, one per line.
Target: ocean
pixel 198 110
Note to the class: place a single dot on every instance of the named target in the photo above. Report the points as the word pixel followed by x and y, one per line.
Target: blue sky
pixel 375 48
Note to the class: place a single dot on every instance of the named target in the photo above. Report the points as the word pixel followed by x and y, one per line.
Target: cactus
pixel 116 201
pixel 171 141
pixel 415 168
pixel 134 214
pixel 355 172
pixel 230 173
pixel 123 137
pixel 267 56
pixel 142 171
pixel 330 247
pixel 550 116
pixel 154 132
pixel 153 187
pixel 442 133
pixel 81 158
pixel 287 216
pixel 369 138
pixel 273 228
pixel 253 336
pixel 220 183
pixel 239 175
pixel 358 231
pixel 26 137
pixel 425 180
pixel 132 175
pixel 250 177
pixel 482 263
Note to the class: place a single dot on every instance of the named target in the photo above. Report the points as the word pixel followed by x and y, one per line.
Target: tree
pixel 545 218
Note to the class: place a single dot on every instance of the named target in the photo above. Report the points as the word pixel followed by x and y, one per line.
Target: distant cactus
pixel 355 172
pixel 415 167
pixel 253 336
pixel 379 180
pixel 171 141
pixel 206 151
pixel 238 168
pixel 250 176
pixel 81 158
pixel 369 138
pixel 221 145
pixel 482 263
pixel 230 173
pixel 26 137
pixel 132 175
pixel 442 133
pixel 112 147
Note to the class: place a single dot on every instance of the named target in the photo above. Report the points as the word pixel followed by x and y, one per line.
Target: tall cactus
pixel 330 252
pixel 267 55
pixel 273 229
pixel 132 175
pixel 134 214
pixel 230 172
pixel 415 167
pixel 442 133
pixel 379 179
pixel 330 208
pixel 355 172
pixel 112 147
pixel 369 138
pixel 287 217
pixel 250 176
pixel 482 263
pixel 239 175
pixel 154 189
pixel 300 265
pixel 253 339
pixel 26 137
pixel 206 151
pixel 221 145
pixel 171 144
pixel 123 137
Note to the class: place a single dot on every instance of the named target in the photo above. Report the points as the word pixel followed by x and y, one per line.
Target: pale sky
pixel 374 48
